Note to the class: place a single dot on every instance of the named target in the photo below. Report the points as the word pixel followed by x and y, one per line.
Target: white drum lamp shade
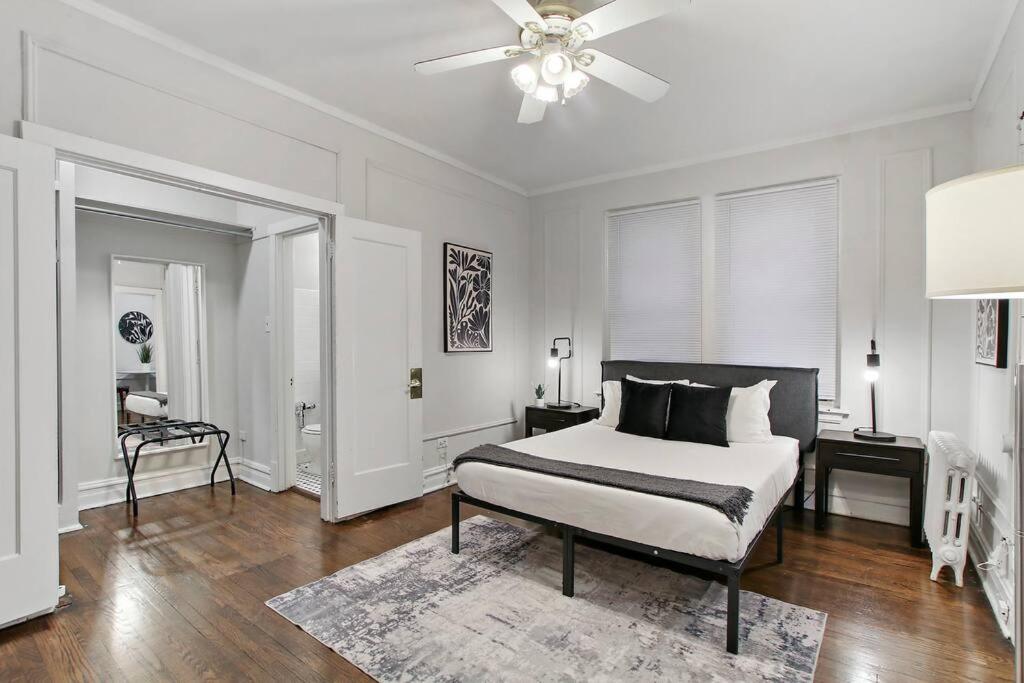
pixel 974 247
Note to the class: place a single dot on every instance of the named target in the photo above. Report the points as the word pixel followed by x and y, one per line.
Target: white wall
pixel 101 476
pixel 985 394
pixel 90 77
pixel 883 176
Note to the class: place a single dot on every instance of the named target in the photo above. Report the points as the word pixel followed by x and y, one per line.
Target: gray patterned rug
pixel 496 613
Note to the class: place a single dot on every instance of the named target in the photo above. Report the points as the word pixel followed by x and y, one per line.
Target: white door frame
pixel 86 151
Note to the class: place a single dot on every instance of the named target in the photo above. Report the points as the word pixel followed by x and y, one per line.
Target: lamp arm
pixel 554 342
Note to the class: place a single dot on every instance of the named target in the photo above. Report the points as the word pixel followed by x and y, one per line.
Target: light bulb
pixel 525 78
pixel 546 93
pixel 555 68
pixel 871 375
pixel 552 363
pixel 575 83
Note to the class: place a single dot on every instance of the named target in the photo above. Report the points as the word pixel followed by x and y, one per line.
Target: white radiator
pixel 947 517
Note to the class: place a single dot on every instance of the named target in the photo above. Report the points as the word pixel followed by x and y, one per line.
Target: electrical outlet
pixel 442 443
pixel 1004 610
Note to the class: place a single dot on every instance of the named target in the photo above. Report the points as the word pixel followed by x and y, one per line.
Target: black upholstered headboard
pixel 794 410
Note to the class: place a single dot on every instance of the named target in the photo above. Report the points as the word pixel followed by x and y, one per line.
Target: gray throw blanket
pixel 731 501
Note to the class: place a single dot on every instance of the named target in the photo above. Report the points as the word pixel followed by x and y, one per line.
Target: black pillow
pixel 644 409
pixel 698 414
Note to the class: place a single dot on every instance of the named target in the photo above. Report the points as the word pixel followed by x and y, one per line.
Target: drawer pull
pixel 870 457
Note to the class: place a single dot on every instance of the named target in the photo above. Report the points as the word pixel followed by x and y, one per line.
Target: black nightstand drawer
pixel 552 419
pixel 870 458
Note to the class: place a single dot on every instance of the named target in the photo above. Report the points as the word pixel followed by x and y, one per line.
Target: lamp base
pixel 560 405
pixel 870 435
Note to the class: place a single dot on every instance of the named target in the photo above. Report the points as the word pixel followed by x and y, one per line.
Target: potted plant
pixel 145 353
pixel 538 391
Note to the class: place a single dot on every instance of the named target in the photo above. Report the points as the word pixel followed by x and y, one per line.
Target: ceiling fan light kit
pixel 553 34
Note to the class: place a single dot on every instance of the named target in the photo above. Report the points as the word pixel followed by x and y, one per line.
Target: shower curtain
pixel 182 290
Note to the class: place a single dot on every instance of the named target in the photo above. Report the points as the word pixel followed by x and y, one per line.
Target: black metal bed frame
pixel 731 571
pixel 163 431
pixel 796 415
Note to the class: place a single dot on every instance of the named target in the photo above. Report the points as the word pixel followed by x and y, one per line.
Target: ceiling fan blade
pixel 620 14
pixel 523 13
pixel 461 61
pixel 636 82
pixel 532 110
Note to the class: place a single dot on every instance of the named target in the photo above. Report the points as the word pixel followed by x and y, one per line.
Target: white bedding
pixel 768 469
pixel 144 405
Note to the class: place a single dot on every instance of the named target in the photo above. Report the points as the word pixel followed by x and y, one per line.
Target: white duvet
pixel 767 469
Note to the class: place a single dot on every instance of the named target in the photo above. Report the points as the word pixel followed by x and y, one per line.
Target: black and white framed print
pixel 990 335
pixel 135 327
pixel 467 297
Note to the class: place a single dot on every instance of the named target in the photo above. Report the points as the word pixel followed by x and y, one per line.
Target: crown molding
pixel 916 115
pixel 993 50
pixel 142 30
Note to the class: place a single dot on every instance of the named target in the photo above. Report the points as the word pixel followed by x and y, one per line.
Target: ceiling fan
pixel 553 34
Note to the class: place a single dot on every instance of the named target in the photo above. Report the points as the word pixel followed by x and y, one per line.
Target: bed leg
pixel 455 523
pixel 732 624
pixel 798 493
pixel 778 535
pixel 568 561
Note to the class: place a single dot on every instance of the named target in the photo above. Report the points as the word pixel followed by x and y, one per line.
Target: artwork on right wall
pixel 992 319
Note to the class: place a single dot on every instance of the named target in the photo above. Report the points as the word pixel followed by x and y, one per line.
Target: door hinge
pixel 330 249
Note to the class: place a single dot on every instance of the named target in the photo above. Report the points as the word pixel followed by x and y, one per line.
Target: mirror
pixel 159 341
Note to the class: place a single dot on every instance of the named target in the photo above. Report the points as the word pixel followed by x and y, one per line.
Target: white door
pixel 28 388
pixel 378 341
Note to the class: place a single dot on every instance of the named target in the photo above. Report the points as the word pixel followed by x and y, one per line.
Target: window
pixel 654 283
pixel 776 279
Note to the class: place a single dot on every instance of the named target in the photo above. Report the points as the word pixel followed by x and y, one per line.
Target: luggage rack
pixel 165 431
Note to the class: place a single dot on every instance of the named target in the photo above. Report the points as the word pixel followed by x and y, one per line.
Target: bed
pixel 678 531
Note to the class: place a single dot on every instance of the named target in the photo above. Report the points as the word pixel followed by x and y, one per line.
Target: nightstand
pixel 904 457
pixel 552 419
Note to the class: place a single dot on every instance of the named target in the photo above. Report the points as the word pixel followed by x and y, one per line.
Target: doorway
pixel 299 294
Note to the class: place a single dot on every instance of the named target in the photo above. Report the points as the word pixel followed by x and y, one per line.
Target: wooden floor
pixel 180 595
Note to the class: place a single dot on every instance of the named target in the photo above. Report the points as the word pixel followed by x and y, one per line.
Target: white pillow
pixel 746 418
pixel 612 390
pixel 631 378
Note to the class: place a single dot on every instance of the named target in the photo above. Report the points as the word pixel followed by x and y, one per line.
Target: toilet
pixel 311 442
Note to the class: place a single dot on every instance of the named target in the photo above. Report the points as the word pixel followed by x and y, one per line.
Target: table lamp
pixel 871 374
pixel 974 249
pixel 555 361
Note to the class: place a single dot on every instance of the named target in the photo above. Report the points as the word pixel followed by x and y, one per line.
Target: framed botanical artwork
pixel 467 299
pixel 992 319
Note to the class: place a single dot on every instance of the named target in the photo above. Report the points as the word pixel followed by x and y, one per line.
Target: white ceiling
pixel 744 73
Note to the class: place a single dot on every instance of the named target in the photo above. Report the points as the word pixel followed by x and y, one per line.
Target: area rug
pixel 495 612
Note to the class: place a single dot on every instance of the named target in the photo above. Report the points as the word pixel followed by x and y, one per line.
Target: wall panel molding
pixel 373 165
pixel 190 51
pixel 36 52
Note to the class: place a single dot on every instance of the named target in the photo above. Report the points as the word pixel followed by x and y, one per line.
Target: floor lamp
pixel 975 250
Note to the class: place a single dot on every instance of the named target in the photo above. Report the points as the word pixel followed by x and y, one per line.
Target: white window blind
pixel 654 283
pixel 776 279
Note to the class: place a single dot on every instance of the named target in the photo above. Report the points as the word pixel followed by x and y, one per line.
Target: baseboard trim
pixel 255 473
pixel 70 528
pixel 94 494
pixel 437 478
